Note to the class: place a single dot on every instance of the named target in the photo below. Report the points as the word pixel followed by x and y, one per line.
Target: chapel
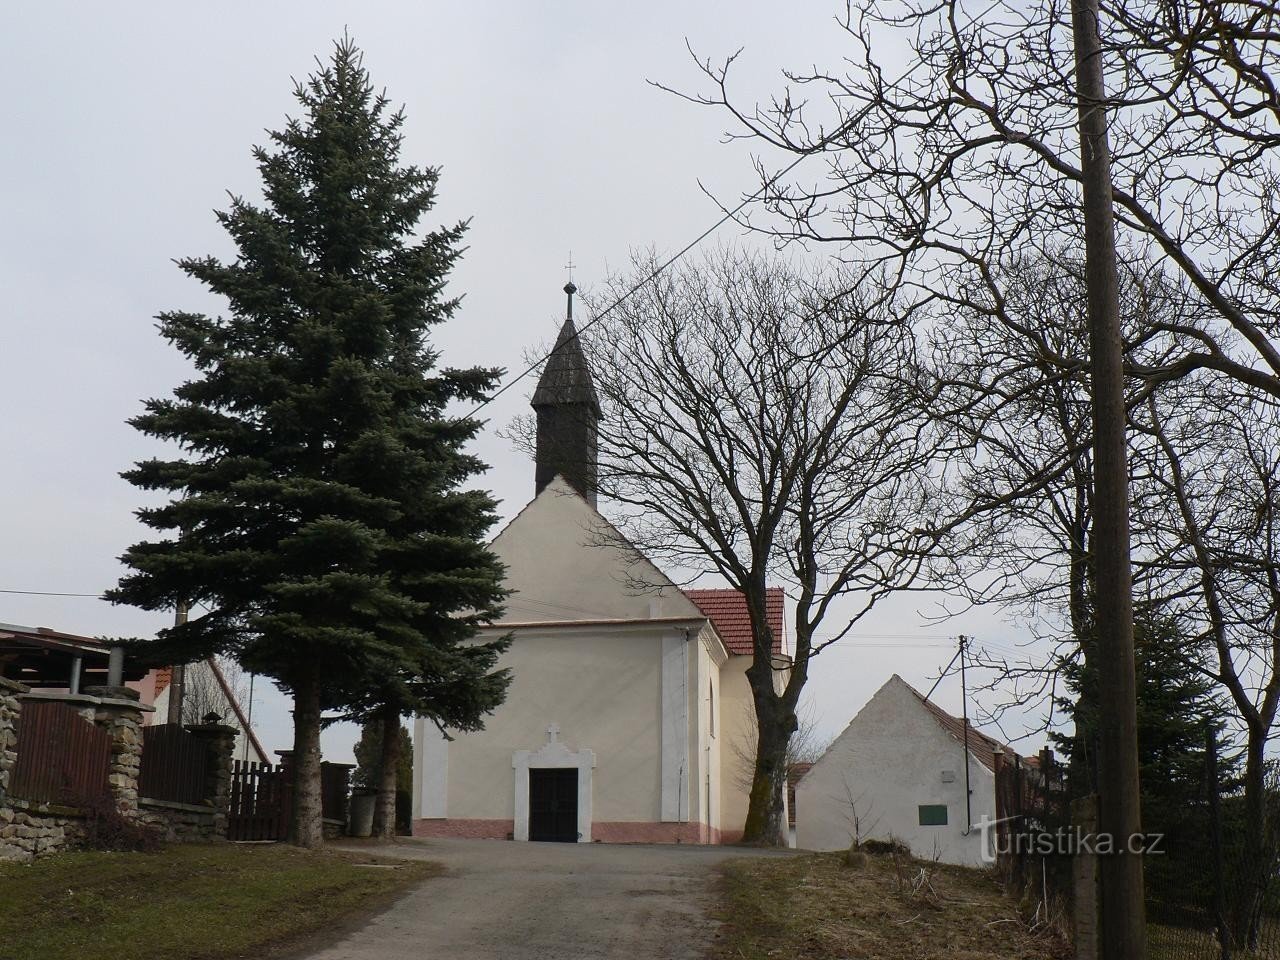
pixel 629 715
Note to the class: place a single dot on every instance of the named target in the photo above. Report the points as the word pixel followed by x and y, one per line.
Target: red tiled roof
pixel 726 608
pixel 982 747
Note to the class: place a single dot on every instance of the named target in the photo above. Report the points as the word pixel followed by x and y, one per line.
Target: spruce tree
pixel 318 513
pixel 1176 708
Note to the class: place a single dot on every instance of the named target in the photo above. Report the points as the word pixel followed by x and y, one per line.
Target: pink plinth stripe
pixel 609 831
pixel 472 829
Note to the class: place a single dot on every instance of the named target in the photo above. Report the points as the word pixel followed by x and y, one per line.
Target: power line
pixel 943 673
pixel 657 272
pixel 51 593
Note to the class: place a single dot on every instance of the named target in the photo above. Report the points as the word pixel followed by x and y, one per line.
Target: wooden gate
pixel 62 757
pixel 175 763
pixel 261 798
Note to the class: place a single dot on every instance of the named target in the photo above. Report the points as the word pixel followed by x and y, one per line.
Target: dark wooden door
pixel 553 805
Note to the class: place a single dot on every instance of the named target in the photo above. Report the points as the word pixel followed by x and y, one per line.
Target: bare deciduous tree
pixel 203 694
pixel 765 424
pixel 1212 504
pixel 969 158
pixel 807 744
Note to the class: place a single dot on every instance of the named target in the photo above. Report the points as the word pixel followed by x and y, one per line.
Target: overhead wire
pixel 658 271
pixel 943 673
pixel 51 593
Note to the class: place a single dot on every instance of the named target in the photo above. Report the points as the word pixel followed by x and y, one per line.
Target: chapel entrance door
pixel 553 804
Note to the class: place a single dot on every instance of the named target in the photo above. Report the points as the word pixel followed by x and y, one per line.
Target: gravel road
pixel 547 901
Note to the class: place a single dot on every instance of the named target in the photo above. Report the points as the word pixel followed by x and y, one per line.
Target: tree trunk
pixel 1255 857
pixel 384 815
pixel 306 828
pixel 774 727
pixel 1123 918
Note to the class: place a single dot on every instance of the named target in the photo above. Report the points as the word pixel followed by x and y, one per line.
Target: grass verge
pixel 190 901
pixel 814 906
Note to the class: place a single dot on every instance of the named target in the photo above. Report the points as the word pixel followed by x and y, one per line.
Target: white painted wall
pixel 622 672
pixel 603 689
pixel 887 762
pixel 736 736
pixel 559 568
pixel 711 657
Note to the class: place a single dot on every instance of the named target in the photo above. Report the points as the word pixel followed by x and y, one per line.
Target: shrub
pixel 106 828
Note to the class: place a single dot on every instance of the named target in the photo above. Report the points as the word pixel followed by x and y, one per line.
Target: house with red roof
pixel 907 770
pixel 627 692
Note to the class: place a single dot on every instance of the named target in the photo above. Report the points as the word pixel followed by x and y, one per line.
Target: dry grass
pixel 816 907
pixel 189 902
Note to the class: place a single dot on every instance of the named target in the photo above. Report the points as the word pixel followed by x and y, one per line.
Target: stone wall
pixel 181 821
pixel 208 819
pixel 10 708
pixel 29 829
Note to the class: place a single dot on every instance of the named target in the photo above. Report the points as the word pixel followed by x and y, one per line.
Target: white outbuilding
pixel 898 771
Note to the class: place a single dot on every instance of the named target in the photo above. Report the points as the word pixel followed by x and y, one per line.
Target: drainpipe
pixel 77 664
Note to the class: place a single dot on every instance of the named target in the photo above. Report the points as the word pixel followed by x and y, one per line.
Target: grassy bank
pixel 815 907
pixel 189 902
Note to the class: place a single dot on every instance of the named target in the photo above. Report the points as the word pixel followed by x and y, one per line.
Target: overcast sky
pixel 126 124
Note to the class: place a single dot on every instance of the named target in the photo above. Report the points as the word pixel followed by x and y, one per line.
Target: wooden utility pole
pixel 1123 926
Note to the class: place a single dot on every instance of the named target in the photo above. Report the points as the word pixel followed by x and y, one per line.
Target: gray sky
pixel 126 124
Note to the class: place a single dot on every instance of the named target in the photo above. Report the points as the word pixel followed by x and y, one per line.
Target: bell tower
pixel 568 412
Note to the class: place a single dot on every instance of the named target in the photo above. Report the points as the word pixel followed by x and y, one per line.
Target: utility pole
pixel 964 716
pixel 177 674
pixel 1123 925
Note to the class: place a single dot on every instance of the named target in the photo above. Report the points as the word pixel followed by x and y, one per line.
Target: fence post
pixel 1215 838
pixel 221 741
pixel 120 714
pixel 1084 881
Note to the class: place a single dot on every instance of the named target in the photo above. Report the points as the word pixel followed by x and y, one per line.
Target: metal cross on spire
pixel 570 288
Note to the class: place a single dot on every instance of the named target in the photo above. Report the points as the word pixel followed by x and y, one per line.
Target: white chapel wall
pixel 560 569
pixel 602 690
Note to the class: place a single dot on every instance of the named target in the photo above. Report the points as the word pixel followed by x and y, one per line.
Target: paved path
pixel 547 901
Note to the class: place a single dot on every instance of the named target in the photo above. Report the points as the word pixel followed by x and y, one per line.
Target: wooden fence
pixel 1032 803
pixel 261 796
pixel 62 757
pixel 175 764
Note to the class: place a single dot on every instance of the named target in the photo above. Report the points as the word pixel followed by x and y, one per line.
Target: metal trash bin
pixel 362 807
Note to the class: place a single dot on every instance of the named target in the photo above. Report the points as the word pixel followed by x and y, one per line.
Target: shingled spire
pixel 568 413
